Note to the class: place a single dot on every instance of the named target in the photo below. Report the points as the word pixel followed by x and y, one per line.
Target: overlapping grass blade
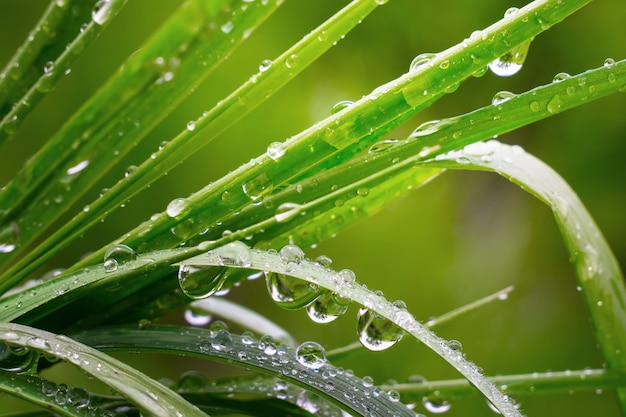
pixel 150 396
pixel 599 275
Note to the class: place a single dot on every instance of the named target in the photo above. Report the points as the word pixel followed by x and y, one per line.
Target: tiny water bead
pixel 265 65
pixel 191 125
pixel 311 355
pixel 275 150
pixel 177 206
pixel 510 63
pixel 199 281
pixel 117 256
pixel 375 332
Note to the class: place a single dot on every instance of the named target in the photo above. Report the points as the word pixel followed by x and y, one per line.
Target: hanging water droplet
pixel 275 150
pixel 9 237
pixel 177 206
pixel 438 406
pixel 502 96
pixel 421 60
pixel 327 307
pixel 265 65
pixel 101 12
pixel 117 256
pixel 555 104
pixel 17 359
pixel 289 292
pixel 287 211
pixel 234 254
pixel 200 282
pixel 511 62
pixel 311 354
pixel 340 106
pixel 376 332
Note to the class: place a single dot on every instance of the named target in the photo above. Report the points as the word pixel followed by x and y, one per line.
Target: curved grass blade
pixel 599 275
pixel 58 67
pixel 150 396
pixel 392 101
pixel 260 87
pixel 344 390
pixel 244 317
pixel 46 394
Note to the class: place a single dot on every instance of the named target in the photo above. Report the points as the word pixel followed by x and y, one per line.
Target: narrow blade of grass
pixel 599 275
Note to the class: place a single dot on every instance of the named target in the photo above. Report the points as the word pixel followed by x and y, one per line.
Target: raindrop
pixel 222 341
pixel 308 402
pixel 311 354
pixel 48 67
pixel 609 62
pixel 265 65
pixel 555 104
pixel 275 150
pixel 287 211
pixel 376 332
pixel 436 406
pixel 327 307
pixel 511 62
pixel 191 125
pixel 428 128
pixel 227 27
pixel 257 186
pixel 383 145
pixel 561 76
pixel 78 397
pixel 177 206
pixel 394 396
pixel 289 292
pixel 9 237
pixel 421 60
pixel 117 256
pixel 291 254
pixel 101 11
pixel 192 381
pixel 511 11
pixel 340 106
pixel 291 61
pixel 200 282
pixel 502 96
pixel 234 254
pixel 17 359
pixel 130 170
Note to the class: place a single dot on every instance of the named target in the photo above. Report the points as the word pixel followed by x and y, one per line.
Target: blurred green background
pixel 460 238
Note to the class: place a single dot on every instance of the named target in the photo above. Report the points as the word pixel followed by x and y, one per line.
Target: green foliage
pixel 217 230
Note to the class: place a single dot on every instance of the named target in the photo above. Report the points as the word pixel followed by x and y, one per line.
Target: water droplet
pixel 234 254
pixel 177 206
pixel 9 237
pixel 534 106
pixel 308 401
pixel 289 292
pixel 78 397
pixel 393 395
pixel 49 67
pixel 502 96
pixel 421 60
pixel 327 307
pixel 511 62
pixel 311 354
pixel 383 145
pixel 436 406
pixel 17 359
pixel 561 76
pixel 609 62
pixel 101 11
pixel 340 106
pixel 511 11
pixel 555 104
pixel 287 211
pixel 255 188
pixel 117 256
pixel 199 281
pixel 222 341
pixel 191 125
pixel 227 27
pixel 291 61
pixel 381 2
pixel 195 319
pixel 77 168
pixel 275 150
pixel 376 332
pixel 265 65
pixel 428 128
pixel 130 170
pixel 291 254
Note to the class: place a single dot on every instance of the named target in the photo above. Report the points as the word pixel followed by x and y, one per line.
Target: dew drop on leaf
pixel 117 256
pixel 234 254
pixel 275 150
pixel 511 62
pixel 561 76
pixel 327 307
pixel 436 406
pixel 311 354
pixel 177 206
pixel 340 106
pixel 421 60
pixel 101 11
pixel 502 96
pixel 555 104
pixel 222 341
pixel 375 332
pixel 289 292
pixel 195 319
pixel 9 237
pixel 200 282
pixel 265 65
pixel 291 254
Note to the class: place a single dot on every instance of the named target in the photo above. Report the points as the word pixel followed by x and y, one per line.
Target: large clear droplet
pixel 234 254
pixel 421 60
pixel 327 307
pixel 289 292
pixel 17 359
pixel 511 62
pixel 177 206
pixel 101 12
pixel 502 96
pixel 200 282
pixel 376 332
pixel 275 150
pixel 117 256
pixel 311 354
pixel 257 186
pixel 9 237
